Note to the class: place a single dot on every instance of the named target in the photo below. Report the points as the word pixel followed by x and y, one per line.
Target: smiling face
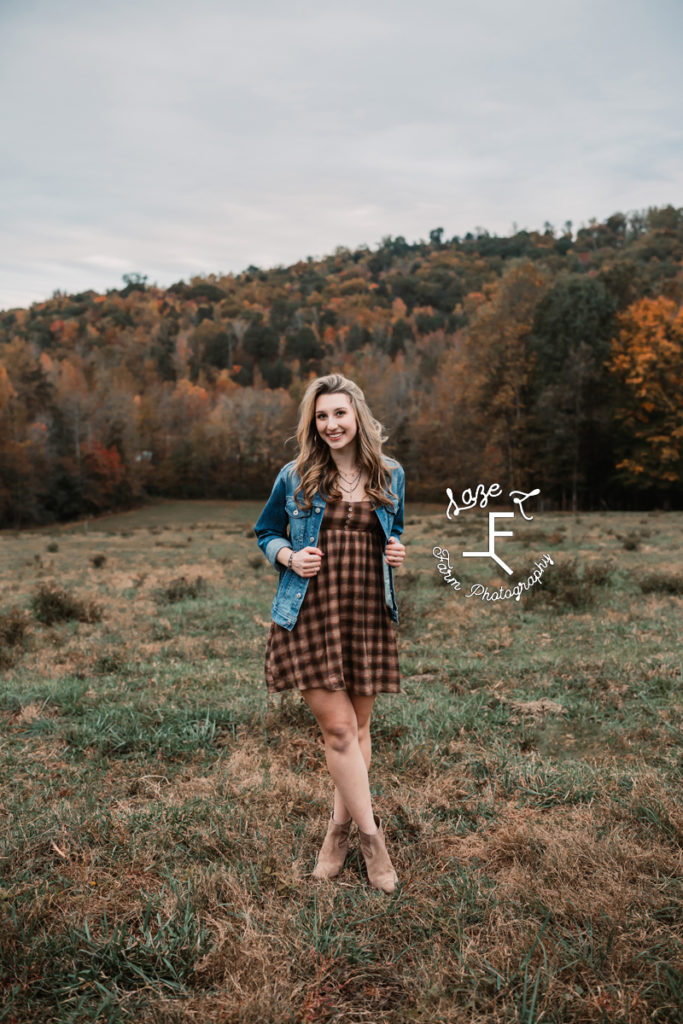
pixel 336 422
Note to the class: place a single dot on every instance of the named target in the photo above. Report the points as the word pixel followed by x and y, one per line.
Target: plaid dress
pixel 343 638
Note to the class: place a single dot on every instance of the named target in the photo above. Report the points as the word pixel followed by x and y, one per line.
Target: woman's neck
pixel 346 464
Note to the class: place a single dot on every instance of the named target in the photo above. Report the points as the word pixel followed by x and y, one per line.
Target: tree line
pixel 545 359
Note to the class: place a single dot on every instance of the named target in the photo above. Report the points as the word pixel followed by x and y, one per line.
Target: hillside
pixel 548 360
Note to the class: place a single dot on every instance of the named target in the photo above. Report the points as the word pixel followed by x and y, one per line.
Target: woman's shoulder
pixel 392 464
pixel 288 476
pixel 287 469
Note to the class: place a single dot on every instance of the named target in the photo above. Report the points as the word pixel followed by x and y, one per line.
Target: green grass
pixel 161 815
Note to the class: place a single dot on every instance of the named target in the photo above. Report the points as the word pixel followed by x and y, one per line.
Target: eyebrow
pixel 340 408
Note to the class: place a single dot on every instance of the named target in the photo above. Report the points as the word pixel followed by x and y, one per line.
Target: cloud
pixel 171 139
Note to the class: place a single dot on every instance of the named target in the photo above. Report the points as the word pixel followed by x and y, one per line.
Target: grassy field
pixel 161 814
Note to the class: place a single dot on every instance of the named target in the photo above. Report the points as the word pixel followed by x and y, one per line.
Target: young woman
pixel 331 529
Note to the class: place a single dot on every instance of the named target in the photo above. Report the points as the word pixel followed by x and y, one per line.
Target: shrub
pixel 568 585
pixel 660 583
pixel 51 603
pixel 13 626
pixel 598 572
pixel 53 546
pixel 181 588
pixel 98 560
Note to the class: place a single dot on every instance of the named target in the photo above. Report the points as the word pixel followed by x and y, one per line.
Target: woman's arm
pixel 271 525
pixel 394 551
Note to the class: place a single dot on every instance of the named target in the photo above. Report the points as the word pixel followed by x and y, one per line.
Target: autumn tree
pixel 571 335
pixel 26 462
pixel 647 360
pixel 495 390
pixel 447 435
pixel 213 345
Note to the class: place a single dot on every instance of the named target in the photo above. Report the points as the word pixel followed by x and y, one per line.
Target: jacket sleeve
pixel 397 528
pixel 271 525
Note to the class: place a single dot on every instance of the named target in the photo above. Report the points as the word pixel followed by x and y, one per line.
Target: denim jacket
pixel 282 524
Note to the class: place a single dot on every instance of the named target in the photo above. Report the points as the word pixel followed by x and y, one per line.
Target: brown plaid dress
pixel 343 638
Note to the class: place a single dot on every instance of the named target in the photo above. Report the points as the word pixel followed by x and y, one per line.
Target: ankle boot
pixel 334 849
pixel 380 869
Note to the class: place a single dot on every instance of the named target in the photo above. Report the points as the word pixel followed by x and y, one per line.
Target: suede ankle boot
pixel 334 849
pixel 380 869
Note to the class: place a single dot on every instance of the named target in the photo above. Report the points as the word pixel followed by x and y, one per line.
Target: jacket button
pixel 298 595
pixel 296 512
pixel 317 509
pixel 312 540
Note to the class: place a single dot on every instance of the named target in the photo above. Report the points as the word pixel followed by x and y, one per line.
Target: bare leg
pixel 362 706
pixel 336 716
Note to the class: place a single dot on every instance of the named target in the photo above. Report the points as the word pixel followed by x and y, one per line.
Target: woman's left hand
pixel 394 552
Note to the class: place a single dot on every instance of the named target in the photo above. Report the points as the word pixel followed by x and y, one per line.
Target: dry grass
pixel 161 814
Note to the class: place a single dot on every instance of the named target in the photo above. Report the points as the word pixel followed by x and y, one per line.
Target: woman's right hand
pixel 307 561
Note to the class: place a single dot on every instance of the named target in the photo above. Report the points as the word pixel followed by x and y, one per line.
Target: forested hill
pixel 550 360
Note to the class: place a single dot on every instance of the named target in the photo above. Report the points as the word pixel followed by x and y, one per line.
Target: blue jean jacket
pixel 282 524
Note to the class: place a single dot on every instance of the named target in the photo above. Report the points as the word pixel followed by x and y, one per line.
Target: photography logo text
pixel 480 497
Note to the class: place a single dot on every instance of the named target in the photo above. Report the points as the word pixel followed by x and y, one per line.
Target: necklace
pixel 354 483
pixel 342 475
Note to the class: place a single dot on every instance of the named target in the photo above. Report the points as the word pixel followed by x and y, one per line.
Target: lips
pixel 333 437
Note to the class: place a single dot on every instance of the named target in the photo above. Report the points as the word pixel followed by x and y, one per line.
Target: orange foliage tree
pixel 103 474
pixel 647 359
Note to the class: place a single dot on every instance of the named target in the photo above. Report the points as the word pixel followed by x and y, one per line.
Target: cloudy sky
pixel 176 138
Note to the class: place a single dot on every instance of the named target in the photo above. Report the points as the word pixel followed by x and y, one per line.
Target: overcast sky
pixel 179 138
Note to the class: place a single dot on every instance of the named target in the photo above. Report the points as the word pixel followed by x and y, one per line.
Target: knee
pixel 363 732
pixel 363 725
pixel 341 734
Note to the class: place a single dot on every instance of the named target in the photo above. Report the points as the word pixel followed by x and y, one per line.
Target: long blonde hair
pixel 314 463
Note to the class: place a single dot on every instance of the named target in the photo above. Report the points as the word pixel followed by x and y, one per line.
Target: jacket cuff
pixel 272 548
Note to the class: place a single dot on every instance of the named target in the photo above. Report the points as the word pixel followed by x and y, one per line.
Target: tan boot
pixel 334 849
pixel 380 869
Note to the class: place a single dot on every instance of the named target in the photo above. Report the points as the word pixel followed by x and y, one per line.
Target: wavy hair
pixel 314 464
